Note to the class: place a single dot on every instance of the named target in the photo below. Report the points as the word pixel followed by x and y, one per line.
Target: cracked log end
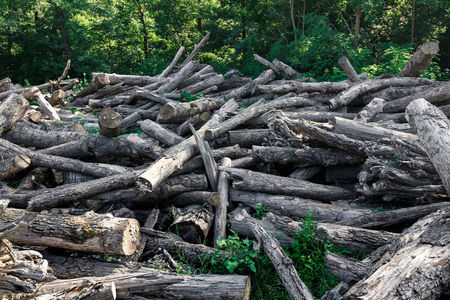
pixel 168 111
pixel 144 185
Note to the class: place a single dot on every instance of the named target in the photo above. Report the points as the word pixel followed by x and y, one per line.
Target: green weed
pixel 260 212
pixel 186 97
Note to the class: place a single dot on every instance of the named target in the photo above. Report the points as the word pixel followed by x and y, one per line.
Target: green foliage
pixel 260 212
pixel 241 256
pixel 186 97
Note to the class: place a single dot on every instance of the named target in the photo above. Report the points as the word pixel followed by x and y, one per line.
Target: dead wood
pixel 11 111
pixel 250 88
pixel 109 122
pixel 5 84
pixel 178 78
pixel 158 132
pixel 195 50
pixel 194 197
pixel 348 69
pixel 98 82
pixel 172 64
pixel 418 63
pixel 220 221
pixel 13 165
pixel 173 111
pixel 202 86
pixel 299 86
pixel 192 223
pixel 370 111
pixel 89 233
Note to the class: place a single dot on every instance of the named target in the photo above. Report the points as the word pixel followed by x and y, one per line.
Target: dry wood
pixel 160 133
pixel 299 86
pixel 177 155
pixel 97 82
pixel 197 77
pixel 246 138
pixel 295 207
pixel 194 197
pixel 11 111
pixel 348 69
pixel 254 111
pixel 220 221
pixel 250 88
pixel 417 64
pixel 370 111
pixel 195 50
pixel 192 223
pixel 141 94
pixel 261 182
pixel 432 127
pixel 346 269
pixel 42 87
pixel 57 98
pixel 204 84
pixel 88 233
pixel 350 94
pixel 128 79
pixel 11 166
pixel 287 71
pixel 173 111
pixel 149 283
pixel 282 263
pixel 5 84
pixel 109 122
pixel 196 121
pixel 34 93
pixel 169 68
pixel 178 78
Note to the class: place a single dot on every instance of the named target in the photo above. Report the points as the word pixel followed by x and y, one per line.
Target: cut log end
pixel 167 111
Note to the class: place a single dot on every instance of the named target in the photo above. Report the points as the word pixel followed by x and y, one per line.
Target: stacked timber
pixel 206 150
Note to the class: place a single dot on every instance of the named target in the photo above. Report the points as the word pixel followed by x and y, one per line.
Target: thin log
pixel 348 69
pixel 99 81
pixel 370 111
pixel 197 120
pixel 204 84
pixel 42 87
pixel 254 111
pixel 250 88
pixel 129 79
pixel 160 133
pixel 141 94
pixel 195 50
pixel 88 233
pixel 347 269
pixel 169 68
pixel 299 86
pixel 272 184
pixel 177 155
pixel 418 63
pixel 197 77
pixel 11 111
pixel 432 127
pixel 285 70
pixel 179 77
pixel 220 221
pixel 282 263
pixel 173 111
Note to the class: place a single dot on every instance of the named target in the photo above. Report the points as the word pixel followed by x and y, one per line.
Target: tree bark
pixel 370 111
pixel 179 77
pixel 285 70
pixel 299 86
pixel 109 122
pixel 347 269
pixel 282 263
pixel 172 111
pixel 348 68
pixel 250 88
pixel 192 223
pixel 261 182
pixel 220 221
pixel 11 111
pixel 160 133
pixel 97 83
pixel 13 165
pixel 204 84
pixel 432 127
pixel 417 64
pixel 88 233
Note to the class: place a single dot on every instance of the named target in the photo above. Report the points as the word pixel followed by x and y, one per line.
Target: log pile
pixel 209 148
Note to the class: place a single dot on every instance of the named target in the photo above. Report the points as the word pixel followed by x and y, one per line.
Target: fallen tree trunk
pixel 88 233
pixel 348 69
pixel 11 111
pixel 160 133
pixel 298 86
pixel 432 127
pixel 418 63
pixel 178 110
pixel 220 221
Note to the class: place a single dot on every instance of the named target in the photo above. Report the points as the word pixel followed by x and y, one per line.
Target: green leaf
pixel 231 265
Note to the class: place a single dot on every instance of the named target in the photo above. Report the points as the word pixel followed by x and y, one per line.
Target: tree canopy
pixel 141 36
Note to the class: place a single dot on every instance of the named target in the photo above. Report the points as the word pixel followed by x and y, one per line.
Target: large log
pixel 128 79
pixel 177 110
pixel 109 122
pixel 260 182
pixel 220 220
pixel 299 86
pixel 149 283
pixel 88 233
pixel 432 127
pixel 13 165
pixel 160 133
pixel 11 111
pixel 348 69
pixel 418 63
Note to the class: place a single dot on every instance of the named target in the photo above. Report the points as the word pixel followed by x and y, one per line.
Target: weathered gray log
pixel 192 223
pixel 250 88
pixel 57 162
pixel 246 138
pixel 197 120
pixel 418 63
pixel 432 127
pixel 34 93
pixel 13 165
pixel 295 207
pixel 141 94
pixel 178 78
pixel 195 50
pixel 304 157
pixel 204 84
pixel 299 86
pixel 282 263
pixel 130 120
pixel 348 69
pixel 160 133
pixel 68 193
pixel 436 95
pixel 272 184
pixel 208 159
pixel 97 82
pixel 99 145
pixel 254 111
pixel 169 68
pixel 148 283
pixel 104 92
pixel 350 94
pixel 347 269
pixel 11 111
pixel 370 111
pixel 88 233
pixel 316 116
pixel 220 221
pixel 173 111
pixel 33 116
pixel 128 79
pixel 305 173
pixel 177 155
pixel 419 259
pixel 287 71
pixel 42 87
pixel 233 82
pixel 57 98
pixel 197 161
pixel 5 84
pixel 391 218
pixel 342 174
pixel 197 77
pixel 337 292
